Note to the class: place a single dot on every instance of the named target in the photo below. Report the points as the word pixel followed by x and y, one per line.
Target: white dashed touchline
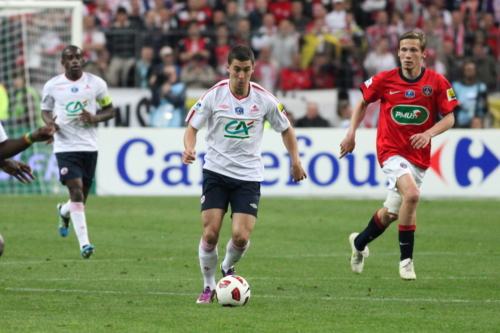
pixel 263 296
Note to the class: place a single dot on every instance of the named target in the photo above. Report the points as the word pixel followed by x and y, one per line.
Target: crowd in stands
pixel 169 46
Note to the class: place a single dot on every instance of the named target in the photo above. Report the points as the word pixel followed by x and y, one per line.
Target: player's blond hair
pixel 414 35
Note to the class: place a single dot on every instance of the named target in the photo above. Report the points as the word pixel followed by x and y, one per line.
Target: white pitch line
pixel 346 254
pixel 378 299
pixel 258 278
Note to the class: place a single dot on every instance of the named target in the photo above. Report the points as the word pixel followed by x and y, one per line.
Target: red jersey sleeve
pixel 446 100
pixel 372 88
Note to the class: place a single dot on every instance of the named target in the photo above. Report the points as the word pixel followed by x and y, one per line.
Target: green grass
pixel 145 276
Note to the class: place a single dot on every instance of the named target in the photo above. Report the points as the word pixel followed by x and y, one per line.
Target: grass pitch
pixel 145 275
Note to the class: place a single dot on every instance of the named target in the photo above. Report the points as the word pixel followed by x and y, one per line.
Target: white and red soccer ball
pixel 232 290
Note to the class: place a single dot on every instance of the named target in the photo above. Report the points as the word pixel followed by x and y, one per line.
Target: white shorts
pixel 395 167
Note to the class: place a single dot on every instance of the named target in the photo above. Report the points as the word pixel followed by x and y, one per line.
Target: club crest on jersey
pixel 409 94
pixel 404 166
pixel 427 90
pixel 239 110
pixel 409 114
pixel 238 129
pixel 74 90
pixel 74 108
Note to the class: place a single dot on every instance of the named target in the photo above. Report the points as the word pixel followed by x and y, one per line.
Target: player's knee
pixel 240 241
pixel 392 217
pixel 210 236
pixel 412 197
pixel 76 194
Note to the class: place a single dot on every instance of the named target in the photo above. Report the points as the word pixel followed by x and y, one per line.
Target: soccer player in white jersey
pixel 235 111
pixel 11 147
pixel 69 104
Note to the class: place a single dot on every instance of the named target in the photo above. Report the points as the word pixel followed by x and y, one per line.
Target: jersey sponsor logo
pixel 451 94
pixel 238 129
pixel 393 92
pixel 86 87
pixel 427 90
pixel 74 108
pixel 74 90
pixel 254 109
pixel 239 110
pixel 410 94
pixel 224 106
pixel 368 82
pixel 409 114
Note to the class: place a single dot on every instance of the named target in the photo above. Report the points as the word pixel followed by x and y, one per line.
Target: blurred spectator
pixel 382 29
pixel 436 10
pixel 379 60
pixel 195 10
pixel 135 10
pixel 451 61
pixel 472 97
pixel 243 33
pixel 295 77
pixel 486 66
pixel 409 23
pixel 194 44
pixel 218 18
pixel 432 62
pixel 336 18
pixel 257 15
pixel 263 36
pixel 103 13
pixel 312 118
pixel 284 44
pixel 319 21
pixel 197 73
pixel 281 9
pixel 93 39
pixel 434 41
pixel 99 67
pixel 26 105
pixel 408 6
pixel 322 73
pixel 457 32
pixel 167 69
pixel 121 45
pixel 171 109
pixel 344 112
pixel 320 41
pixel 221 50
pixel 469 9
pixel 492 33
pixel 168 23
pixel 299 20
pixel 370 6
pixel 232 16
pixel 141 73
pixel 266 70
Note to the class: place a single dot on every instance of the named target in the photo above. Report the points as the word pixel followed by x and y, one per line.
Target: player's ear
pixel 227 67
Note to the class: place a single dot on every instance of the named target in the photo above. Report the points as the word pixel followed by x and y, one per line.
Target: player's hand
pixel 18 170
pixel 188 156
pixel 44 133
pixel 53 124
pixel 298 173
pixel 420 140
pixel 88 118
pixel 347 145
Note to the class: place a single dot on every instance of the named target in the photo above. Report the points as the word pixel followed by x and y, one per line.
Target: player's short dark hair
pixel 414 35
pixel 241 53
pixel 69 48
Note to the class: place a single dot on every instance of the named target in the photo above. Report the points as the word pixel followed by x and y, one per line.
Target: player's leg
pixel 77 212
pixel 214 203
pixel 244 202
pixel 407 224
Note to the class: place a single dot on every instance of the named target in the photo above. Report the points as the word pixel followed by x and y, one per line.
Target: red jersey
pixel 407 107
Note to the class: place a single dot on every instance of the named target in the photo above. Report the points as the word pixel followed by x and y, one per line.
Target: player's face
pixel 72 60
pixel 239 75
pixel 410 54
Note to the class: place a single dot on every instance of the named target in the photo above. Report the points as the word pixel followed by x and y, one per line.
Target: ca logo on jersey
pixel 409 114
pixel 238 129
pixel 74 108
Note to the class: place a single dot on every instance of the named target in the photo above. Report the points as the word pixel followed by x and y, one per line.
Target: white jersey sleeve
pixel 201 111
pixel 3 135
pixel 276 115
pixel 47 97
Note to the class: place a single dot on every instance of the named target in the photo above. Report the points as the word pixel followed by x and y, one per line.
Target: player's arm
pixel 107 112
pixel 347 145
pixel 421 140
pixel 189 154
pixel 290 141
pixel 11 147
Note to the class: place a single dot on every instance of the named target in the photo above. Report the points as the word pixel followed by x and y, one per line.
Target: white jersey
pixel 235 129
pixel 66 99
pixel 3 135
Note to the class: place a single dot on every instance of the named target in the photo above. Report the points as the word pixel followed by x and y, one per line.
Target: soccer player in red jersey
pixel 411 98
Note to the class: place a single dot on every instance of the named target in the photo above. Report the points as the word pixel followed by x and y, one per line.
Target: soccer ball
pixel 232 290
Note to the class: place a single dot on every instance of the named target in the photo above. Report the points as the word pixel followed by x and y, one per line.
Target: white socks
pixel 233 254
pixel 65 208
pixel 208 263
pixel 79 223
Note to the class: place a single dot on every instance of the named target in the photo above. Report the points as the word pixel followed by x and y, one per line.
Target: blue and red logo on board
pixel 409 94
pixel 427 90
pixel 239 110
